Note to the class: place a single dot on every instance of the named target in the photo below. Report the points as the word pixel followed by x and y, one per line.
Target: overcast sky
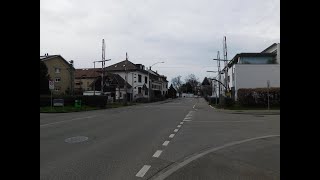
pixel 186 34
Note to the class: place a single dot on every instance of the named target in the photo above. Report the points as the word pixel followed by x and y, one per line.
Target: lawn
pixel 239 107
pixel 66 109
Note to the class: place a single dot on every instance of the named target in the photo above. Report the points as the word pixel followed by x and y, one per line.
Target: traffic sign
pixel 51 85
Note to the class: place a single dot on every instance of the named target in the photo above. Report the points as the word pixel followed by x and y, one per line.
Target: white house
pixel 138 77
pixel 252 70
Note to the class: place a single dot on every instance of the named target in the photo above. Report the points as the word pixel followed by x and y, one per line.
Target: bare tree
pixel 177 83
pixel 193 81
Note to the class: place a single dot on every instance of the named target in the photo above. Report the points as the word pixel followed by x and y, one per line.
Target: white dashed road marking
pixel 176 130
pixel 157 153
pixel 166 143
pixel 143 171
pixel 181 123
pixel 171 136
pixel 179 126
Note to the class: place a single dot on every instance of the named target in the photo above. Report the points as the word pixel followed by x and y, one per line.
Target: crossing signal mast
pixel 103 64
pixel 225 60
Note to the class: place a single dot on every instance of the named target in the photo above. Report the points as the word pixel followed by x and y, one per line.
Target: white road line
pixel 193 106
pixel 176 130
pixel 233 121
pixel 178 165
pixel 212 107
pixel 171 136
pixel 179 126
pixel 88 117
pixel 166 143
pixel 185 120
pixel 143 171
pixel 181 123
pixel 157 153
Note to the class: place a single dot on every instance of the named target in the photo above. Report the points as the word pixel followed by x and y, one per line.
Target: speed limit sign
pixel 51 85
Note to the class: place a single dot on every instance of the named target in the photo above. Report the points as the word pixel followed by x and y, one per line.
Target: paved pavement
pixel 179 139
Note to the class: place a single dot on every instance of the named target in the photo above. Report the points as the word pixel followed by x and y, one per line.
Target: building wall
pixel 255 60
pixel 66 74
pixel 278 54
pixel 84 83
pixel 277 49
pixel 256 76
pixel 132 79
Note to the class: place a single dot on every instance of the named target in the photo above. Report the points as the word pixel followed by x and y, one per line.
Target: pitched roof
pixel 48 57
pixel 274 44
pixel 88 73
pixel 120 66
pixel 113 79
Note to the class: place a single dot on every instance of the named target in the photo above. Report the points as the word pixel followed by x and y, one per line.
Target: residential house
pixel 84 79
pixel 172 92
pixel 139 78
pixel 252 70
pixel 61 72
pixel 114 86
pixel 135 75
pixel 159 84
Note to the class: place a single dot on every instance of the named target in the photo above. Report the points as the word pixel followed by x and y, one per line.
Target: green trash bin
pixel 77 104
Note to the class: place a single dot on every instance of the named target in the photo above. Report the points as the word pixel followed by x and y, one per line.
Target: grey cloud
pixel 186 33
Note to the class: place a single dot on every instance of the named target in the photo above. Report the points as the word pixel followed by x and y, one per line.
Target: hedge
pixel 94 101
pixel 211 100
pixel 258 97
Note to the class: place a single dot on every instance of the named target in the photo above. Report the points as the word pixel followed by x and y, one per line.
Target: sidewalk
pixel 241 160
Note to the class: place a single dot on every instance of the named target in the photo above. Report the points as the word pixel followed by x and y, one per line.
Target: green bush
pixel 93 101
pixel 258 97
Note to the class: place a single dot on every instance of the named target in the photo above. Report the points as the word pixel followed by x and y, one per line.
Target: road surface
pixel 179 139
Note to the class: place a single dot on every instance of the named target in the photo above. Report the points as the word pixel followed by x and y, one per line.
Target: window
pixel 120 94
pixel 166 85
pixel 57 88
pixel 139 78
pixel 228 78
pixel 57 70
pixel 146 80
pixel 139 90
pixel 146 92
pixel 78 83
pixel 57 79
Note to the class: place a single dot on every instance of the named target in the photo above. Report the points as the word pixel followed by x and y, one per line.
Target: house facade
pixel 61 72
pixel 84 79
pixel 252 70
pixel 140 79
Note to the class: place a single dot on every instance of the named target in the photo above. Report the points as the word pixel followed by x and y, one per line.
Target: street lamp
pixel 149 78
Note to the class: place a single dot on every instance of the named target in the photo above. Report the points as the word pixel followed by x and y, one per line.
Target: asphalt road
pixel 180 139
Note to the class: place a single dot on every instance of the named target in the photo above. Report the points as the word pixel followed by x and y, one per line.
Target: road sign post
pixel 51 87
pixel 268 85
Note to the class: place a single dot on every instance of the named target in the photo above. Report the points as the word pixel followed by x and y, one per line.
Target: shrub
pixel 258 97
pixel 94 101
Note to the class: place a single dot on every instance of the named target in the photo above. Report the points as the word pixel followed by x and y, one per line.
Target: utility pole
pixel 225 60
pixel 94 85
pixel 225 57
pixel 125 83
pixel 103 61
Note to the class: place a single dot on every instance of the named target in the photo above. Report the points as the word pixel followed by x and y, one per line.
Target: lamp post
pixel 149 78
